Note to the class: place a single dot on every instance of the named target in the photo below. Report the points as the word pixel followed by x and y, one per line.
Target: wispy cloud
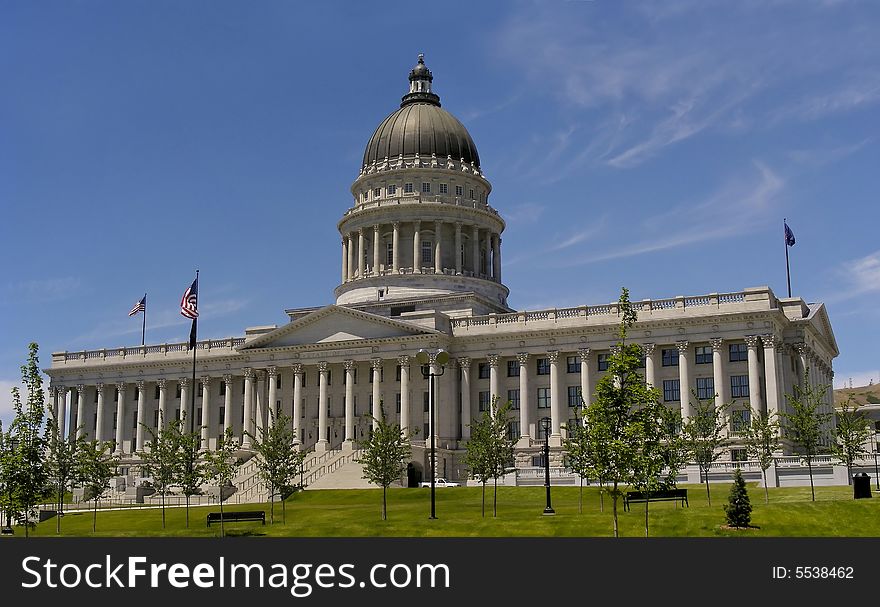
pixel 857 277
pixel 527 212
pixel 857 92
pixel 42 290
pixel 817 157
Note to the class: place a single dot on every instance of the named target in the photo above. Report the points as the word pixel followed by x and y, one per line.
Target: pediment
pixel 334 324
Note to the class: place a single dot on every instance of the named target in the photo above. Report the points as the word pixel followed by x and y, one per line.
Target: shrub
pixel 738 507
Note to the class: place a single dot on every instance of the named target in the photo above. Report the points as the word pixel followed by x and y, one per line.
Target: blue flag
pixel 789 235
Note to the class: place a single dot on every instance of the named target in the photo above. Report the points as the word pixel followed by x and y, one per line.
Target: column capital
pixel 464 362
pixel 80 388
pixel 248 373
pixel 260 374
pixel 682 346
pixel 458 225
pixel 100 387
pixel 376 227
pixel 770 340
pixel 322 366
pixel 206 382
pixel 184 382
pixel 120 385
pixel 403 359
pixel 781 347
pixel 752 341
pixel 438 222
pixel 376 363
pixel 395 225
pixel 360 231
pixel 493 360
pixel 297 368
pixel 717 343
pixel 272 371
pixel 139 383
pixel 417 223
pixel 523 358
pixel 648 349
pixel 348 364
pixel 162 382
pixel 553 356
pixel 615 349
pixel 227 379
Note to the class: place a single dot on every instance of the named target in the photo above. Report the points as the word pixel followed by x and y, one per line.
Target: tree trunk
pixel 58 512
pixel 646 518
pixel 810 467
pixel 187 510
pixel 614 509
pixel 272 506
pixel 601 498
pixel 283 510
pixel 163 509
pixel 708 496
pixel 581 497
pixel 384 503
pixel 484 499
pixel 95 516
pixel 849 472
pixel 222 530
pixel 766 492
pixel 495 499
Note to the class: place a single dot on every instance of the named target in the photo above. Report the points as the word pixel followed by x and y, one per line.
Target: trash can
pixel 861 485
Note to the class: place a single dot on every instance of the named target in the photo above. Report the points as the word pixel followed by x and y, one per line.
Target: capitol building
pixel 421 267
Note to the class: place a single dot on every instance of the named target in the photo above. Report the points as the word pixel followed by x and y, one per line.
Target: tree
pixel 95 466
pixel 478 457
pixel 738 508
pixel 577 447
pixel 61 460
pixel 384 454
pixel 703 435
pixel 761 441
pixel 29 476
pixel 490 448
pixel 161 459
pixel 850 434
pixel 278 460
pixel 8 469
pixel 221 466
pixel 191 472
pixel 805 422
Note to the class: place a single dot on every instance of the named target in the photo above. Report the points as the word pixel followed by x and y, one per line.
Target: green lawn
pixel 351 513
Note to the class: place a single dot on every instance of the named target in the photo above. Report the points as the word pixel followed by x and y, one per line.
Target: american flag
pixel 789 235
pixel 140 306
pixel 189 301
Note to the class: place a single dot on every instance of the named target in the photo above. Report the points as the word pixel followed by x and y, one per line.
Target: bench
pixel 668 495
pixel 237 517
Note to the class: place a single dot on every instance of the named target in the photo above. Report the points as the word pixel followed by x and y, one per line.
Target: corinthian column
pixel 273 394
pixel 81 411
pixel 395 247
pixel 464 364
pixel 417 245
pixel 206 411
pixel 494 387
pixel 754 374
pixel 297 401
pixel 684 379
pixel 163 396
pixel 438 251
pixel 404 391
pixel 227 403
pixel 120 417
pixel 376 370
pixel 771 372
pixel 141 414
pixel 322 445
pixel 555 399
pixel 718 371
pixel 458 247
pixel 248 426
pixel 99 423
pixel 524 402
pixel 344 260
pixel 650 351
pixel 348 443
pixel 361 255
pixel 376 253
pixel 185 413
pixel 586 388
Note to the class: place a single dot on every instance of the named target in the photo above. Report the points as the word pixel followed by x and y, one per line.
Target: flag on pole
pixel 189 302
pixel 140 306
pixel 789 235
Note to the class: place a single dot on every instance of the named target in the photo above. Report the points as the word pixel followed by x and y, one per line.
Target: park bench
pixel 237 517
pixel 668 495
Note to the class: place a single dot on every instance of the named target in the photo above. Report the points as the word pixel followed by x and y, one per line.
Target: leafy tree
pixel 95 466
pixel 221 466
pixel 161 458
pixel 577 447
pixel 29 476
pixel 478 457
pixel 61 460
pixel 738 508
pixel 191 472
pixel 8 468
pixel 850 434
pixel 704 435
pixel 492 451
pixel 761 441
pixel 805 422
pixel 384 454
pixel 278 460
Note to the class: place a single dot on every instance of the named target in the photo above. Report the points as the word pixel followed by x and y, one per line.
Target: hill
pixel 863 395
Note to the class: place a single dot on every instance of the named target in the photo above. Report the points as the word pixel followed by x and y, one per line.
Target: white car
pixel 439 482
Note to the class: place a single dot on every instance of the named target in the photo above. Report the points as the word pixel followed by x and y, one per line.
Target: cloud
pixel 43 290
pixel 527 212
pixel 861 91
pixel 6 399
pixel 818 157
pixel 859 276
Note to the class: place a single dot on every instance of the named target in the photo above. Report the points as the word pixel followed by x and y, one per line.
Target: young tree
pixel 805 422
pixel 29 477
pixel 221 466
pixel 478 457
pixel 501 447
pixel 161 458
pixel 279 460
pixel 191 472
pixel 95 466
pixel 577 446
pixel 384 454
pixel 738 508
pixel 61 460
pixel 703 435
pixel 8 467
pixel 850 434
pixel 761 441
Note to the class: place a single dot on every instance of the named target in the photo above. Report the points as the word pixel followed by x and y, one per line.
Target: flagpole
pixel 144 328
pixel 787 271
pixel 195 331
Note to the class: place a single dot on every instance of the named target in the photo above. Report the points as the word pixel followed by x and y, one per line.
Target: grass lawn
pixel 358 513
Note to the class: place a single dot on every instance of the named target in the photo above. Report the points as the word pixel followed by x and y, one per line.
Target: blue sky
pixel 653 145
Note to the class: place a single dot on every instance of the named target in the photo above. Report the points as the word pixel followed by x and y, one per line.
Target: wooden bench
pixel 668 495
pixel 237 517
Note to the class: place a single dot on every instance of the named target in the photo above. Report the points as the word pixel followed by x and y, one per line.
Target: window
pixel 543 366
pixel 397 401
pixel 427 252
pixel 513 397
pixel 221 416
pixel 704 355
pixel 671 390
pixel 459 190
pixel 354 373
pixel 483 370
pixel 302 413
pixel 155 418
pixel 705 388
pixel 602 362
pixel 573 364
pixel 377 192
pixel 155 394
pixel 738 352
pixel 222 388
pixel 426 402
pixel 670 357
pixel 392 190
pixel 407 188
pixel 513 430
pixel 177 394
pixel 198 418
pixel 739 386
pixel 738 455
pixel 278 381
pixel 543 398
pixel 484 400
pixel 740 420
pixel 381 375
pixel 513 368
pixel 389 254
pixel 426 428
pixel 574 396
pixel 426 187
pixel 472 194
pixel 201 389
pixel 444 189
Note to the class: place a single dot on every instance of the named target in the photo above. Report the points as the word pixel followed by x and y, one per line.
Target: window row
pixel 739 388
pixel 426 188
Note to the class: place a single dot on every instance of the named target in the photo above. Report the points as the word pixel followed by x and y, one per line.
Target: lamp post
pixel 427 360
pixel 546 424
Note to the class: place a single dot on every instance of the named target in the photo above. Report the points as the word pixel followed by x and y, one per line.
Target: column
pixel 81 410
pixel 163 404
pixel 351 266
pixel 438 251
pixel 184 402
pixel 435 369
pixel 322 444
pixel 348 443
pixel 395 248
pixel 227 403
pixel 297 401
pixel 718 376
pixel 464 364
pixel 488 254
pixel 344 261
pixel 684 379
pixel 475 245
pixel 141 415
pixel 417 245
pixel 273 395
pixel 260 403
pixel 494 388
pixel 781 372
pixel 754 375
pixel 120 416
pixel 404 392
pixel 361 254
pixel 377 263
pixel 99 423
pixel 524 401
pixel 586 388
pixel 556 403
pixel 61 408
pixel 206 411
pixel 496 257
pixel 376 370
pixel 771 372
pixel 458 247
pixel 247 428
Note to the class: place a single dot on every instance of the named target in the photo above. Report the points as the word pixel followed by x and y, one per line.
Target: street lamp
pixel 545 426
pixel 426 360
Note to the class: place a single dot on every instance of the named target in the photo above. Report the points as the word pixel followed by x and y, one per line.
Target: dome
pixel 421 127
